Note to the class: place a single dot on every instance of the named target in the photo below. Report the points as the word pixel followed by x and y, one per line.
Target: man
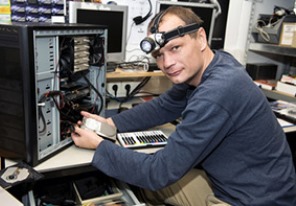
pixel 228 129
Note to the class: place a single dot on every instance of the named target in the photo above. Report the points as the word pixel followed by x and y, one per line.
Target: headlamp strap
pixel 180 31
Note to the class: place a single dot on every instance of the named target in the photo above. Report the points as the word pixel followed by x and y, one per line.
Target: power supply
pixel 49 73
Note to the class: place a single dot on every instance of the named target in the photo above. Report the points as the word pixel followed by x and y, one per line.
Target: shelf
pixel 122 74
pixel 289 129
pixel 273 94
pixel 273 49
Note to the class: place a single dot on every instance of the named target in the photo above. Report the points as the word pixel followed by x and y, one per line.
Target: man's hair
pixel 185 14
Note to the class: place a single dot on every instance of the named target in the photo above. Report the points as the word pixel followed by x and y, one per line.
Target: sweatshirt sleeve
pixel 185 149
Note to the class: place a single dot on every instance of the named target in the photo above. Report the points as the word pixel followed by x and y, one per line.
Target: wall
pixel 237 28
pixel 135 33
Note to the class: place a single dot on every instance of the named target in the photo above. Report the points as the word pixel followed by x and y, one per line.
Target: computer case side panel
pixel 13 60
pixel 29 94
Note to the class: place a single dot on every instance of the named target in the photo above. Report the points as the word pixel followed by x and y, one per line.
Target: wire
pixel 97 92
pixel 261 27
pixel 135 65
pixel 71 73
pixel 139 19
pixel 132 94
pixel 42 99
pixel 261 31
pixel 129 35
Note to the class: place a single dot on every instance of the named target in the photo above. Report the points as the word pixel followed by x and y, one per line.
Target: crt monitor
pixel 113 16
pixel 205 11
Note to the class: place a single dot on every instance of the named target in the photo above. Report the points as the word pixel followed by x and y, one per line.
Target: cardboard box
pixel 287 33
pixel 294 40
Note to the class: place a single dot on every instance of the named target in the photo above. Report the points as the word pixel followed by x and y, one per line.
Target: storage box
pixel 294 40
pixel 272 33
pixel 262 70
pixel 93 190
pixel 287 34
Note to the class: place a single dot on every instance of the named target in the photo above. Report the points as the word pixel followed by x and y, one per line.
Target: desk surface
pixel 73 156
pixel 287 126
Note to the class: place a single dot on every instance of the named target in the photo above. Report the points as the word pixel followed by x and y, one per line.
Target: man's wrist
pixel 110 121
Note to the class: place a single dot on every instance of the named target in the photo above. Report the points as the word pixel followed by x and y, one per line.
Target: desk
pixel 290 129
pixel 74 160
pixel 287 126
pixel 74 157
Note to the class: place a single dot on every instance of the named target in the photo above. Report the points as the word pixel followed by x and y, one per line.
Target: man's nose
pixel 168 60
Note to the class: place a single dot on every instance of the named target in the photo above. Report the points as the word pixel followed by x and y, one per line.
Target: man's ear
pixel 202 37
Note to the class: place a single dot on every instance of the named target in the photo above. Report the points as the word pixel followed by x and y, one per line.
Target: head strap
pixel 154 28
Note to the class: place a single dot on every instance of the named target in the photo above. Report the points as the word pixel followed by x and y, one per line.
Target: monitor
pixel 205 11
pixel 115 17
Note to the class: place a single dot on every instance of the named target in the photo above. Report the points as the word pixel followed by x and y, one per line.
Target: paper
pixel 7 199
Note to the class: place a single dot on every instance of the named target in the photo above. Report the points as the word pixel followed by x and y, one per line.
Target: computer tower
pixel 48 74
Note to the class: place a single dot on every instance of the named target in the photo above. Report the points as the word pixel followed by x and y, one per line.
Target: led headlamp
pixel 159 39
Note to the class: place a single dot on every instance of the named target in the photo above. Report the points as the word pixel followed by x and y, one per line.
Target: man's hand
pixel 85 138
pixel 98 118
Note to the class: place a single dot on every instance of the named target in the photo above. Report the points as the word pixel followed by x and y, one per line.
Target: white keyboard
pixel 153 138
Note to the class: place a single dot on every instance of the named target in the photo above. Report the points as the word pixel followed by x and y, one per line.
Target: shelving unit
pixel 267 52
pixel 282 56
pixel 271 49
pixel 276 50
pixel 121 74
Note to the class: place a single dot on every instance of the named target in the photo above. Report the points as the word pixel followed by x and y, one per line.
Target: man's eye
pixel 157 55
pixel 174 48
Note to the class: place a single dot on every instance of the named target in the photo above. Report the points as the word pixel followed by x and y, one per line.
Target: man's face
pixel 181 59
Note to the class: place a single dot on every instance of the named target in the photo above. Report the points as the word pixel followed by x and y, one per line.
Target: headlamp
pixel 152 42
pixel 157 40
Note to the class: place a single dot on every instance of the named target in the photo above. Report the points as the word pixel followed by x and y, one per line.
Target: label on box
pixel 287 34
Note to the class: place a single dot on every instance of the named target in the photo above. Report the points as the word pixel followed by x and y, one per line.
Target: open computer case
pixel 48 74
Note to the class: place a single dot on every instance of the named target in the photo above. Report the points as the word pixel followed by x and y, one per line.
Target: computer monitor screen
pixel 205 11
pixel 113 16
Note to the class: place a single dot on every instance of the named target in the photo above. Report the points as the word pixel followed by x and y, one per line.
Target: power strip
pixel 122 88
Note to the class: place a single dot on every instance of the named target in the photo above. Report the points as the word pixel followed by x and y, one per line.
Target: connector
pixel 127 87
pixel 122 89
pixel 115 89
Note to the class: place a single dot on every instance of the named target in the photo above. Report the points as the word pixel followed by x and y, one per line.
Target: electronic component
pixel 158 39
pixel 142 139
pixel 115 17
pixel 16 174
pixel 100 128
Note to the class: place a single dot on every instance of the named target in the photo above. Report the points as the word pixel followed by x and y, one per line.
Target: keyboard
pixel 142 139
